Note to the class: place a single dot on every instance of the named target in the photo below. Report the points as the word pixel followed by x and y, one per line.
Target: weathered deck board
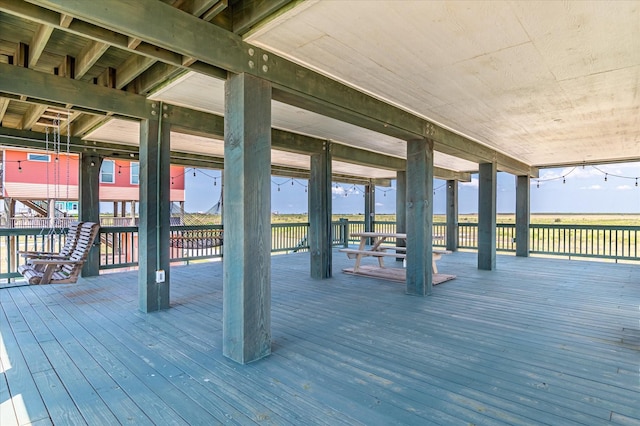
pixel 536 342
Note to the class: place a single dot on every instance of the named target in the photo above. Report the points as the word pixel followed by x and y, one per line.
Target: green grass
pixel 546 218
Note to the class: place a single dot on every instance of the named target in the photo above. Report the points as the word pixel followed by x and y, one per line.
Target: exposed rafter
pixel 38 43
pixel 88 57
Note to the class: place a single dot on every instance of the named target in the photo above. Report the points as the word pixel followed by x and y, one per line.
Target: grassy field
pixel 546 218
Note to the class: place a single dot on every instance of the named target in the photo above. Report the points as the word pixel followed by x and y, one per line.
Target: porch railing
pixel 119 245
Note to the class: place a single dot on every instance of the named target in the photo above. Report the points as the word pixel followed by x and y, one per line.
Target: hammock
pixel 197 239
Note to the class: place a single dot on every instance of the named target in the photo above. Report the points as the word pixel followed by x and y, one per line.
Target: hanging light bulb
pixel 636 181
pixel 278 188
pixel 605 177
pixel 291 182
pixel 120 171
pixel 171 179
pixel 305 188
pixel 215 181
pixel 194 172
pixel 19 166
pixel 564 180
pixel 538 184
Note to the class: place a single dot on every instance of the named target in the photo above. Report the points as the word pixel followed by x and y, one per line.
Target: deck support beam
pixel 246 313
pixel 369 207
pixel 155 214
pixel 419 211
pixel 487 216
pixel 401 207
pixel 89 207
pixel 523 214
pixel 320 213
pixel 452 215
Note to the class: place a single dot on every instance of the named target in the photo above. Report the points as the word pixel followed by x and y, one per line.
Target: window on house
pixel 107 171
pixel 45 158
pixel 135 173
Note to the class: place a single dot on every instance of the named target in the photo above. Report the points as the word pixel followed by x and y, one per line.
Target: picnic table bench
pixel 380 251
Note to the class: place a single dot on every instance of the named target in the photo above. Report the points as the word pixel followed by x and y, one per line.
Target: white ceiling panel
pixel 545 82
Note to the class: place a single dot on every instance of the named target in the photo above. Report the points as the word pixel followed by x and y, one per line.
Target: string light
pixel 606 176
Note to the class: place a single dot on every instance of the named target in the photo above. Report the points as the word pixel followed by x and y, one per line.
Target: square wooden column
pixel 320 213
pixel 155 213
pixel 487 216
pixel 247 219
pixel 523 215
pixel 401 204
pixel 89 207
pixel 452 215
pixel 369 207
pixel 419 211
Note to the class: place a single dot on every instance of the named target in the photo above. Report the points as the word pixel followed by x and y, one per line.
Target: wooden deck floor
pixel 538 341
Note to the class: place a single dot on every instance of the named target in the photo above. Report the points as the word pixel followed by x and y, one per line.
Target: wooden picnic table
pixel 380 251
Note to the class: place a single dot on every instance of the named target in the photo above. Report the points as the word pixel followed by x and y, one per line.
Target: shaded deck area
pixel 539 341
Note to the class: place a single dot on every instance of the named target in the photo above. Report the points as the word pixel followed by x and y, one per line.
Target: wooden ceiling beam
pixel 38 43
pixel 4 104
pixel 215 10
pixel 250 14
pixel 77 94
pixel 89 55
pixel 33 114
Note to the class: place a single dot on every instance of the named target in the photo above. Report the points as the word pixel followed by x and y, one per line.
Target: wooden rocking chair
pixel 63 270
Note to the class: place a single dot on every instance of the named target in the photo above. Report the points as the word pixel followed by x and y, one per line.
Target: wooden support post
pixel 401 208
pixel 51 215
pixel 452 215
pixel 246 315
pixel 133 213
pixel 10 211
pixel 320 213
pixel 487 216
pixel 123 209
pixel 369 208
pixel 419 211
pixel 89 207
pixel 523 214
pixel 153 230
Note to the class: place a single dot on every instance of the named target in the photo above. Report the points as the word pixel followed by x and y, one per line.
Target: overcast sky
pixel 584 191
